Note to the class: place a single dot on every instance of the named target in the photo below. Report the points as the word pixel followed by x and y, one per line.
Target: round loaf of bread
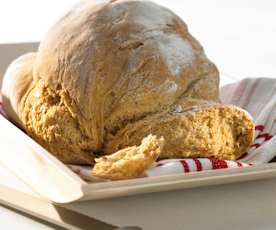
pixel 109 66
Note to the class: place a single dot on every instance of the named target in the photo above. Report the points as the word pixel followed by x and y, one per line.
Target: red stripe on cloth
pixel 259 127
pixel 266 136
pixel 243 156
pixel 255 145
pixel 239 164
pixel 219 164
pixel 185 165
pixel 198 164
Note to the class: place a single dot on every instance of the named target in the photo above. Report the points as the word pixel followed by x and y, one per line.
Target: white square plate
pixel 55 181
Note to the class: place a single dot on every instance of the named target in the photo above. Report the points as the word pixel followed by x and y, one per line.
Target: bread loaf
pixel 109 73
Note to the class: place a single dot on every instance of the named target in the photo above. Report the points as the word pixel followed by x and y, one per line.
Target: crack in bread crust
pixel 49 120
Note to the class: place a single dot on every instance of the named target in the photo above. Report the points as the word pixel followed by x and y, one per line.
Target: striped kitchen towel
pixel 258 97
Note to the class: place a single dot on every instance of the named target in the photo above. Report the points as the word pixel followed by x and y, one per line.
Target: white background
pixel 239 36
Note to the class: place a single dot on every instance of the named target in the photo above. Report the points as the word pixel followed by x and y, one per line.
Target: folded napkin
pixel 258 97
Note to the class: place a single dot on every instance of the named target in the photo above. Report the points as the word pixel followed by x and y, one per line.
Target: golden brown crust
pixel 48 119
pixel 129 162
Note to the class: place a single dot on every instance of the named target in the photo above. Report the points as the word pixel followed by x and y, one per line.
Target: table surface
pixel 239 37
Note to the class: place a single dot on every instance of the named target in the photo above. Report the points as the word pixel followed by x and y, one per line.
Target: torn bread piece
pixel 130 162
pixel 210 131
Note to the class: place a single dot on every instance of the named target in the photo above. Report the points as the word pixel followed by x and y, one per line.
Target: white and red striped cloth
pixel 258 97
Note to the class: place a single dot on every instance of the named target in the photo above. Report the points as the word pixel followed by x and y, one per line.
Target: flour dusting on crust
pixel 176 51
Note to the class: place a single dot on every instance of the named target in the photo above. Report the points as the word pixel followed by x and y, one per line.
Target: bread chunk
pixel 129 162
